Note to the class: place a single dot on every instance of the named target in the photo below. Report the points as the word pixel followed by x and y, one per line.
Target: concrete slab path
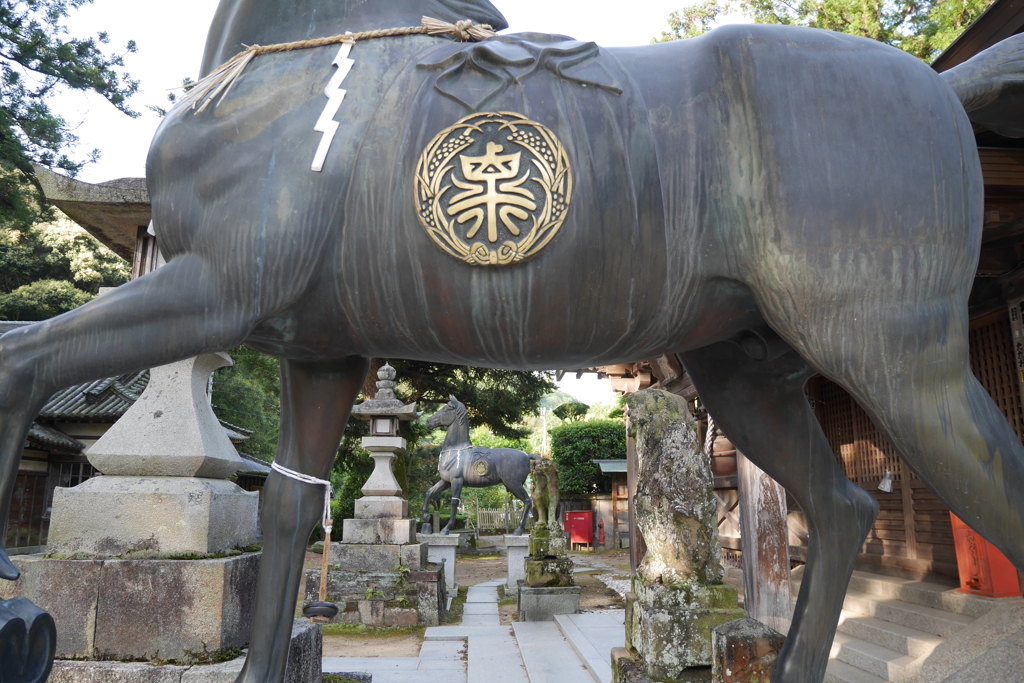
pixel 547 654
pixel 592 637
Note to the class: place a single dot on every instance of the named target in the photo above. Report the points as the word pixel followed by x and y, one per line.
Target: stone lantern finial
pixel 386 384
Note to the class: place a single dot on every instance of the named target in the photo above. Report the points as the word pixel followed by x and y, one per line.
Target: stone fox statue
pixel 768 202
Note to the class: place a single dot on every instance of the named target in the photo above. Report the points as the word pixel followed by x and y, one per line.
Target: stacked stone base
pixel 542 604
pixel 141 609
pixel 382 585
pixel 304 666
pixel 668 627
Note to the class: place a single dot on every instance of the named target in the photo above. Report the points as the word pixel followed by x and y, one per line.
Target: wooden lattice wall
pixel 913 531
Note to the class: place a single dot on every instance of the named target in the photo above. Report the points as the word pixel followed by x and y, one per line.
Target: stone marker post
pixel 678 596
pixel 766 578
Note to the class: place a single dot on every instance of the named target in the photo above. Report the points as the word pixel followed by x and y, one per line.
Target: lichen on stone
pixel 675 503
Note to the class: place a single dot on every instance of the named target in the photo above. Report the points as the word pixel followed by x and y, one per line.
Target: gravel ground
pixel 616 582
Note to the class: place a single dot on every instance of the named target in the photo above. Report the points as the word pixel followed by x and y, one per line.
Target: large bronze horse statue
pixel 768 202
pixel 460 463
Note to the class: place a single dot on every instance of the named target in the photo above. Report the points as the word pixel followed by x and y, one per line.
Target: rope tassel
pixel 218 83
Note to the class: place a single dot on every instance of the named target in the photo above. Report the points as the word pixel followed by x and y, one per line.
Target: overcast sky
pixel 171 35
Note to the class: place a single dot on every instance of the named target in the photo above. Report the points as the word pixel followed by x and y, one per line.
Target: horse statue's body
pixel 463 464
pixel 767 202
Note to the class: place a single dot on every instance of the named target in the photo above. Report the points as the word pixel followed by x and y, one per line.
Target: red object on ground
pixel 580 525
pixel 983 569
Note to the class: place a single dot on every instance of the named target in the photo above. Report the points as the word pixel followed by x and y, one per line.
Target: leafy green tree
pixel 53 267
pixel 573 411
pixel 924 28
pixel 247 394
pixel 38 57
pixel 41 300
pixel 499 399
pixel 575 446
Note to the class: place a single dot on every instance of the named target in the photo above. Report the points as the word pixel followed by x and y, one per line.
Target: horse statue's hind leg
pixel 519 491
pixel 456 485
pixel 762 407
pixel 174 313
pixel 917 386
pixel 316 399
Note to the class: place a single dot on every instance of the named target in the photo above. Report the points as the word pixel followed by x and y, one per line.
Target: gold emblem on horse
pixel 480 467
pixel 493 189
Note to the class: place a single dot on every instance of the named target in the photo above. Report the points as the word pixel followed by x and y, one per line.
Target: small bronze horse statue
pixel 463 464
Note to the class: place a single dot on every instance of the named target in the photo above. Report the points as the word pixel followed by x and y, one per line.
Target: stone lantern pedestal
pixel 379 574
pixel 155 558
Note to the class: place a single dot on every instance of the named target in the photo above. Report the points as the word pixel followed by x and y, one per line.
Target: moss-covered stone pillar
pixel 678 596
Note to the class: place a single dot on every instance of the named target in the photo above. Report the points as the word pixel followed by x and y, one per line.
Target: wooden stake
pixel 323 578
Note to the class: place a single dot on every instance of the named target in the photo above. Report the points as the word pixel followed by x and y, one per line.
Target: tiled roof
pixel 51 439
pixel 253 465
pixel 103 400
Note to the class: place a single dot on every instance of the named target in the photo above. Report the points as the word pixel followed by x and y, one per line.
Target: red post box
pixel 580 525
pixel 983 569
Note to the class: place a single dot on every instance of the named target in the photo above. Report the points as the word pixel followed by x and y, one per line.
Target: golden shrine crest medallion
pixel 493 189
pixel 480 467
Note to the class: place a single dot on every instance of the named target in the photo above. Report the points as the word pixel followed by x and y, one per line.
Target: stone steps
pixel 890 626
pixel 841 672
pixel 874 659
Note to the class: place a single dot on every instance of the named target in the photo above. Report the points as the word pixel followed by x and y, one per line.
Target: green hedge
pixel 575 446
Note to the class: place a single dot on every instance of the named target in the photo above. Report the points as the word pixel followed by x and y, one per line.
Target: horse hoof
pixel 7 570
pixel 443 532
pixel 320 609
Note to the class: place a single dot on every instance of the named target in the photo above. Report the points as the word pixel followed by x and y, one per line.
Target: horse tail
pixel 990 86
pixel 534 456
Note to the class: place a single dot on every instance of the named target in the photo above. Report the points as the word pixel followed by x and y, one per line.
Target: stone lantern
pixel 384 412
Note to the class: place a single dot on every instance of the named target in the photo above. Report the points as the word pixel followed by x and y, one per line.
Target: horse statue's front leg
pixel 456 492
pixel 316 399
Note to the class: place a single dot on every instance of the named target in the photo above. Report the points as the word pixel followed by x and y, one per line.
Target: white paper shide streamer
pixel 335 95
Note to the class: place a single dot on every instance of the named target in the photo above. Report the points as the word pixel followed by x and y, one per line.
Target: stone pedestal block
pixel 669 626
pixel 394 599
pixel 626 669
pixel 378 558
pixel 116 516
pixel 171 430
pixel 547 543
pixel 542 604
pixel 441 550
pixel 745 651
pixel 516 550
pixel 379 531
pixel 142 608
pixel 304 666
pixel 547 573
pixel 381 507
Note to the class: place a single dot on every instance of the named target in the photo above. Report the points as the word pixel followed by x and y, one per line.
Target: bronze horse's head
pixel 446 416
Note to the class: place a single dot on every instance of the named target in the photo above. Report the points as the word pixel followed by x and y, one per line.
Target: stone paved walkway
pixel 479 650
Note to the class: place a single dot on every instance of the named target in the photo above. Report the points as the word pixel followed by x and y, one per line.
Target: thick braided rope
pixel 307 479
pixel 709 440
pixel 222 79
